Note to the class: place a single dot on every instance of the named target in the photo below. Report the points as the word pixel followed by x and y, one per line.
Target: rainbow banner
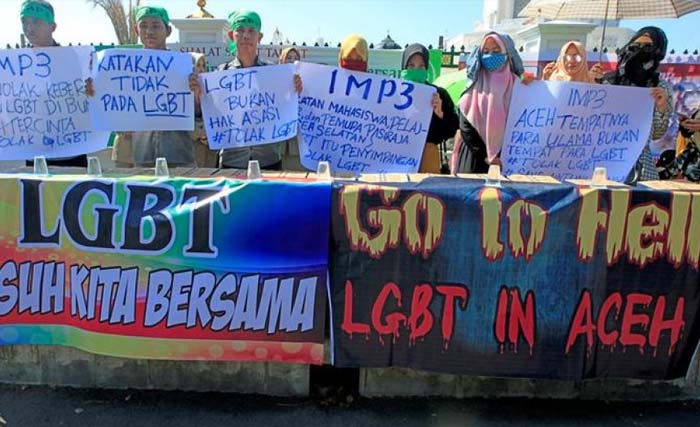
pixel 181 268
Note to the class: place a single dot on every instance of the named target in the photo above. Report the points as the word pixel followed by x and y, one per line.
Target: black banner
pixel 539 281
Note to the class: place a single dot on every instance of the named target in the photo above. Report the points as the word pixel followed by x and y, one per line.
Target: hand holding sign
pixel 89 87
pixel 527 78
pixel 596 71
pixel 194 85
pixel 548 70
pixel 691 124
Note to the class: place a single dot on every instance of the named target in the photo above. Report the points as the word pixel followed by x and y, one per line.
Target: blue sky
pixel 304 20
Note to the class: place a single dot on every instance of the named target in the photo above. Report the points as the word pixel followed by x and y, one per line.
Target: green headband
pixel 37 10
pixel 156 12
pixel 244 18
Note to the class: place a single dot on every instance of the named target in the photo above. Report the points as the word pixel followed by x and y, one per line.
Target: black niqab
pixel 639 66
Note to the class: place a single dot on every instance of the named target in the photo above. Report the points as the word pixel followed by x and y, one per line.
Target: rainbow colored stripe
pixel 270 228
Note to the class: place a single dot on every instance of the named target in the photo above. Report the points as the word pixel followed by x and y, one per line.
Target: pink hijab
pixel 486 104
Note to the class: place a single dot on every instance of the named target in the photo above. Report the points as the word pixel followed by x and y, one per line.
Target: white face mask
pixel 648 65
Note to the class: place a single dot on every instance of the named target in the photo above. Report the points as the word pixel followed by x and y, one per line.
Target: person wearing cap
pixel 143 148
pixel 38 25
pixel 245 31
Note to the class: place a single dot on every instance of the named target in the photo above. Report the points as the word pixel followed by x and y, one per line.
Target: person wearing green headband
pixel 444 124
pixel 245 32
pixel 38 23
pixel 143 148
pixel 153 27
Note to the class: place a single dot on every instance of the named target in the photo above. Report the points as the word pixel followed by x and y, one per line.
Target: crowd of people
pixel 477 123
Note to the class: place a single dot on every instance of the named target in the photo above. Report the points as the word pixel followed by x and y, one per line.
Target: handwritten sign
pixel 142 89
pixel 362 123
pixel 43 107
pixel 250 106
pixel 566 130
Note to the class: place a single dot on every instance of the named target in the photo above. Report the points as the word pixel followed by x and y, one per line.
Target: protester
pixel 203 155
pixel 38 25
pixel 444 122
pixel 492 71
pixel 244 31
pixel 638 65
pixel 289 56
pixel 354 53
pixel 153 28
pixel 572 66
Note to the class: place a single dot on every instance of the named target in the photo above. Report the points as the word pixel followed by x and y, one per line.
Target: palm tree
pixel 122 18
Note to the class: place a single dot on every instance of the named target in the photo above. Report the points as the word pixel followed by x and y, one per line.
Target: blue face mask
pixel 493 61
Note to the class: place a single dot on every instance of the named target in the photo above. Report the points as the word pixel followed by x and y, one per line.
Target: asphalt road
pixel 44 406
